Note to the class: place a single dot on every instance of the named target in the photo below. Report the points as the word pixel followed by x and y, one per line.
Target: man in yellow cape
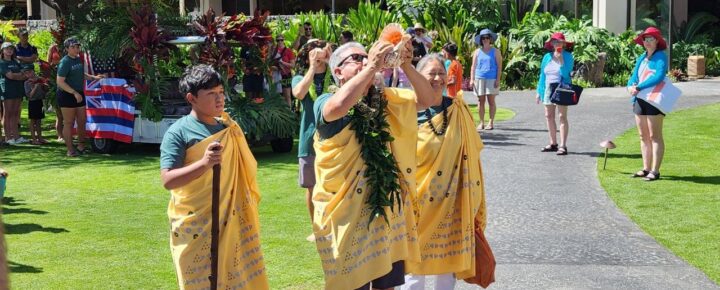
pixel 190 148
pixel 355 253
pixel 450 188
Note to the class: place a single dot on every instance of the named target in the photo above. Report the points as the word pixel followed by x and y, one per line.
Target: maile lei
pixel 368 120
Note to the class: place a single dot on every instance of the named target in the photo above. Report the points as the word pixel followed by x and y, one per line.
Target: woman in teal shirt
pixel 554 69
pixel 71 95
pixel 12 90
pixel 650 69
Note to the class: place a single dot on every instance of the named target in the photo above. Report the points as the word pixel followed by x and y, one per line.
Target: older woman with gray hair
pixel 364 170
pixel 450 187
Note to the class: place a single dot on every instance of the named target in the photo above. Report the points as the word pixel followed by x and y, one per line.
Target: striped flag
pixel 110 109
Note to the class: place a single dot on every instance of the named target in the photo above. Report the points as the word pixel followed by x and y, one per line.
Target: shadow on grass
pixel 696 179
pixel 22 210
pixel 53 155
pixel 11 201
pixel 20 229
pixel 22 268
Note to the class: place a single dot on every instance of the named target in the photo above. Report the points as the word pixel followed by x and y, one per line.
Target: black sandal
pixel 641 173
pixel 550 148
pixel 652 175
pixel 562 150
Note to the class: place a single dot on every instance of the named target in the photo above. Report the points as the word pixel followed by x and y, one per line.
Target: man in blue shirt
pixel 26 53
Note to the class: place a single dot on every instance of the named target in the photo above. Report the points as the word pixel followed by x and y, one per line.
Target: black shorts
pixel 395 277
pixel 35 110
pixel 253 83
pixel 643 108
pixel 67 100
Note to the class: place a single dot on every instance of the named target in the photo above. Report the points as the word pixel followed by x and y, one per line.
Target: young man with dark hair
pixel 304 34
pixel 189 150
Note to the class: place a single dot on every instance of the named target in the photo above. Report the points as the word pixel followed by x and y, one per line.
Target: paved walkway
pixel 551 225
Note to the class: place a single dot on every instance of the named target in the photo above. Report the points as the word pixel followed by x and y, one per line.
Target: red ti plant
pixel 253 36
pixel 150 42
pixel 215 51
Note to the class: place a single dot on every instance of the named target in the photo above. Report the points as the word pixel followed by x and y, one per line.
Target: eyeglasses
pixel 308 28
pixel 356 57
pixel 485 37
pixel 649 39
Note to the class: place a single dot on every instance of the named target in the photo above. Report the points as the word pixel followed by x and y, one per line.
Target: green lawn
pixel 100 221
pixel 501 114
pixel 682 209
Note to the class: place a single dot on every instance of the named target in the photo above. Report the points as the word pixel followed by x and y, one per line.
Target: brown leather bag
pixel 484 261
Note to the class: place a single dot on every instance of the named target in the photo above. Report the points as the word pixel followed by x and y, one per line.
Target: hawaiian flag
pixel 110 109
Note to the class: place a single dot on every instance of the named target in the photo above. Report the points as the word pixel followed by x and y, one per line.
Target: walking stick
pixel 215 230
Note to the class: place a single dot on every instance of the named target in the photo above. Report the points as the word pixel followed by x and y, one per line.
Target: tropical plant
pixel 150 46
pixel 367 21
pixel 693 31
pixel 8 31
pixel 272 115
pixel 42 40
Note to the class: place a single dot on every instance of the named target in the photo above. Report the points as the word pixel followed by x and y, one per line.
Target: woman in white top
pixel 555 69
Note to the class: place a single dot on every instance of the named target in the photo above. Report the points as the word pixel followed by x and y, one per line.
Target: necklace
pixel 368 119
pixel 443 129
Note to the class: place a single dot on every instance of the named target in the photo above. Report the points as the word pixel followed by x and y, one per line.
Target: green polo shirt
pixel 73 72
pixel 10 89
pixel 183 134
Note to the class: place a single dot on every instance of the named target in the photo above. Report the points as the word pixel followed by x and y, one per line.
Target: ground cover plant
pixel 681 209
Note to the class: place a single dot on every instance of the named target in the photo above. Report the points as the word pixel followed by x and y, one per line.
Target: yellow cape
pixel 240 259
pixel 353 255
pixel 450 194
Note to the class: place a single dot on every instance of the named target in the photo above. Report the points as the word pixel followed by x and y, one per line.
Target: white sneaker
pixel 21 140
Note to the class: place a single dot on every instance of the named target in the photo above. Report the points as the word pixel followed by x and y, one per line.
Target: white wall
pixel 611 15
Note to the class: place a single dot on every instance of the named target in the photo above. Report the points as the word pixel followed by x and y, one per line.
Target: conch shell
pixel 395 34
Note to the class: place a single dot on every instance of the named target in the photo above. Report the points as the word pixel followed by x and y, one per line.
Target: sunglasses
pixel 485 37
pixel 556 42
pixel 356 57
pixel 649 39
pixel 308 28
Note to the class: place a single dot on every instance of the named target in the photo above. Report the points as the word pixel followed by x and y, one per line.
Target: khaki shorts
pixel 306 171
pixel 485 87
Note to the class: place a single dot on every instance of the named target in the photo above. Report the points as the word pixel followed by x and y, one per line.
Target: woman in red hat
pixel 650 69
pixel 555 69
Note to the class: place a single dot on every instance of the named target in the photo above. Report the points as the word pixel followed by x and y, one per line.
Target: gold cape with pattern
pixel 240 262
pixel 450 194
pixel 352 253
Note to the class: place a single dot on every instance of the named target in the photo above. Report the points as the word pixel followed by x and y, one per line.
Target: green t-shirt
pixel 10 89
pixel 307 117
pixel 183 134
pixel 327 129
pixel 73 72
pixel 434 110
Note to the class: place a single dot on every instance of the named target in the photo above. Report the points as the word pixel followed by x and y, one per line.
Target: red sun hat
pixel 654 32
pixel 557 36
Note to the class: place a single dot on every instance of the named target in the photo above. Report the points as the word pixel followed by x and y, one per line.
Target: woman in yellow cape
pixel 241 262
pixel 450 190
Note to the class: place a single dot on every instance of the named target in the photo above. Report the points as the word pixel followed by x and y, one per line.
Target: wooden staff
pixel 215 230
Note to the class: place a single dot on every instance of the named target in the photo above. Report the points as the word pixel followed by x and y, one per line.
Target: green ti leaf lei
pixel 368 120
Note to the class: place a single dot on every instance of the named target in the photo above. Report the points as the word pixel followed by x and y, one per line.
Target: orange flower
pixel 392 33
